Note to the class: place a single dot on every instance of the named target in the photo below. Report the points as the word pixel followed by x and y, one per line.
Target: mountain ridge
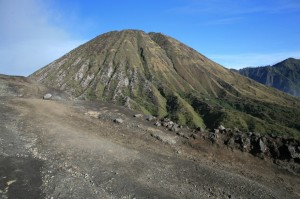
pixel 159 75
pixel 284 76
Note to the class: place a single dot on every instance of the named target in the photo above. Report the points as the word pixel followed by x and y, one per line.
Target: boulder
pixel 118 120
pixel 274 151
pixel 284 152
pixel 258 146
pixel 249 134
pixel 245 143
pixel 169 124
pixel 213 137
pixel 230 142
pixel 166 120
pixel 200 129
pixel 256 134
pixel 221 128
pixel 175 128
pixel 262 146
pixel 150 118
pixel 158 123
pixel 165 124
pixel 293 152
pixel 47 96
pixel 138 115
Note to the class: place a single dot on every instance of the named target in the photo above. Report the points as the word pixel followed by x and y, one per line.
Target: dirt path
pixel 53 149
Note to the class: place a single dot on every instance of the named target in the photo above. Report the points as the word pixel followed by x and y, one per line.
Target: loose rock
pixel 293 152
pixel 213 137
pixel 157 123
pixel 47 96
pixel 200 129
pixel 150 118
pixel 175 128
pixel 118 120
pixel 262 146
pixel 221 128
pixel 138 115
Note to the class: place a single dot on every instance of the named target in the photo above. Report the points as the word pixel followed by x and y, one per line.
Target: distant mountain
pixel 284 76
pixel 159 75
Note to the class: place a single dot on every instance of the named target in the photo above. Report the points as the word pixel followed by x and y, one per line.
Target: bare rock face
pixel 158 75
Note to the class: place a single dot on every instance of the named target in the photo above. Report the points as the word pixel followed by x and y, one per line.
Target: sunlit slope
pixel 159 75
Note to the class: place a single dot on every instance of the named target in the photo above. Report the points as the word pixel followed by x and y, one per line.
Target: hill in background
pixel 284 76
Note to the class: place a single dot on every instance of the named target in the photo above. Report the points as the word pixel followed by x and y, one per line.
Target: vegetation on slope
pixel 158 75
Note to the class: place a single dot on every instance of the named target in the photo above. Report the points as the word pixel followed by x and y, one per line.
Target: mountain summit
pixel 158 75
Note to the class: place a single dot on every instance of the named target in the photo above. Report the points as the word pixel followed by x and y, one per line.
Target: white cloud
pixel 29 40
pixel 238 61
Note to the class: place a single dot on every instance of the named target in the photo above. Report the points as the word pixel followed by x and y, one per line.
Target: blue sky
pixel 233 33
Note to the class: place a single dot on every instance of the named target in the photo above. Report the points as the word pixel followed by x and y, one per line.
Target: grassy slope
pixel 157 74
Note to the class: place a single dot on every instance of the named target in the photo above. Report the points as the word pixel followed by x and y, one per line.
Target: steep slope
pixel 157 74
pixel 284 76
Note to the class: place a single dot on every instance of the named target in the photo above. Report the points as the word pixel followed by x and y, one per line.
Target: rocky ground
pixel 64 148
